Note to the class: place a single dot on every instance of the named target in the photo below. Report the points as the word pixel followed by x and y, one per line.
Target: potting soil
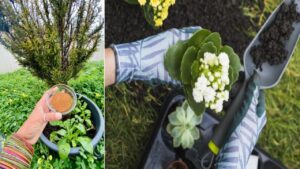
pixel 272 40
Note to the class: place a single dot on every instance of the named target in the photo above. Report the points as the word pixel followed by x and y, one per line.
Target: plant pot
pixel 97 120
pixel 178 164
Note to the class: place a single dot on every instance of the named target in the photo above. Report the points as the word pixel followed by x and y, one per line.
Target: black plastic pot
pixel 97 120
pixel 159 153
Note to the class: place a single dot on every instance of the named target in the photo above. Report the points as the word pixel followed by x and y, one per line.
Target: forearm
pixel 110 67
pixel 17 153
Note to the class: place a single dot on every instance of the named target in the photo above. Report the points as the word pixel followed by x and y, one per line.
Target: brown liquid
pixel 61 102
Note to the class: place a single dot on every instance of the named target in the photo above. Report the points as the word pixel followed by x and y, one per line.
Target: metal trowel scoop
pixel 268 77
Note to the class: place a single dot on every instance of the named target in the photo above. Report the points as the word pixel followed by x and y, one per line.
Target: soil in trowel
pixel 61 101
pixel 272 40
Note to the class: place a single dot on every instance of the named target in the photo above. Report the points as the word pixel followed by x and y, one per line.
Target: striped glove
pixel 236 152
pixel 144 59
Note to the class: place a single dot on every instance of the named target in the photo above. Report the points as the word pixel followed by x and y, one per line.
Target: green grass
pixel 130 116
pixel 19 92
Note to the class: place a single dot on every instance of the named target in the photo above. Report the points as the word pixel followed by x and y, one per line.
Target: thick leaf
pixel 195 70
pixel 207 47
pixel 234 62
pixel 197 107
pixel 198 38
pixel 173 59
pixel 61 132
pixel 186 65
pixel 215 38
pixel 86 144
pixel 63 149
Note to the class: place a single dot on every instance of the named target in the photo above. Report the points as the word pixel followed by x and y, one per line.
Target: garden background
pixel 19 92
pixel 132 109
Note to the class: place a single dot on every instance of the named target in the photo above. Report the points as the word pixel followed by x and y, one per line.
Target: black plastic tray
pixel 160 152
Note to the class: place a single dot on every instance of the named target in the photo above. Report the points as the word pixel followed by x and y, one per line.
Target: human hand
pixel 144 59
pixel 33 127
pixel 236 152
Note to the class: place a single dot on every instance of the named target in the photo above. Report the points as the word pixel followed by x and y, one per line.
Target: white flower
pixel 202 82
pixel 209 94
pixel 215 86
pixel 225 79
pixel 223 59
pixel 217 74
pixel 198 95
pixel 210 58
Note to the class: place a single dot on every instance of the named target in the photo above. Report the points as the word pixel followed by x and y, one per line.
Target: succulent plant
pixel 206 69
pixel 183 126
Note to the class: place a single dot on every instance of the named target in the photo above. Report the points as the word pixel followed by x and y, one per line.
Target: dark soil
pixel 125 23
pixel 273 38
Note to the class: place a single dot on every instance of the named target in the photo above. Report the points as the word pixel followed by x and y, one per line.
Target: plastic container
pixel 160 153
pixel 61 88
pixel 97 119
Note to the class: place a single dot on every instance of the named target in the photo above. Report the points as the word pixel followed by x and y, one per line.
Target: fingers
pixel 53 116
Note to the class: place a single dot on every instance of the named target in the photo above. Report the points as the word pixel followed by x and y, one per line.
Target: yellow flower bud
pixel 158 22
pixel 154 3
pixel 142 2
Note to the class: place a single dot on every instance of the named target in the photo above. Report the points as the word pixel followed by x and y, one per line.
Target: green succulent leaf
pixel 235 63
pixel 198 38
pixel 207 47
pixel 173 59
pixel 63 149
pixel 215 38
pixel 195 70
pixel 186 64
pixel 81 128
pixel 197 107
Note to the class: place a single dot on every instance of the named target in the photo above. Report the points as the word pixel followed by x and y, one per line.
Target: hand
pixel 33 127
pixel 237 150
pixel 144 59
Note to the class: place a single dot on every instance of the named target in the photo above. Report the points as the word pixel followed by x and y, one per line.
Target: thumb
pixel 53 116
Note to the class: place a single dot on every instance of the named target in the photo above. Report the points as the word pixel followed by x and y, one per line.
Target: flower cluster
pixel 159 10
pixel 210 86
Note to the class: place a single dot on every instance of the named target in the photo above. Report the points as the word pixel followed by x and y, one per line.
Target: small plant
pixel 52 38
pixel 73 131
pixel 206 69
pixel 182 126
pixel 155 11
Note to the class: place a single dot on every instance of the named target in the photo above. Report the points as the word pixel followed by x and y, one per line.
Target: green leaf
pixel 198 38
pixel 186 64
pixel 86 144
pixel 63 149
pixel 61 132
pixel 207 47
pixel 215 38
pixel 234 62
pixel 173 59
pixel 195 70
pixel 81 128
pixel 198 108
pixel 57 123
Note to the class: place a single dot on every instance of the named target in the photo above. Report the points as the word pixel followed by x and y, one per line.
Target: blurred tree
pixel 52 38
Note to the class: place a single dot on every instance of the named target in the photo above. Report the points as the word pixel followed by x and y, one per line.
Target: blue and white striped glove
pixel 236 152
pixel 144 59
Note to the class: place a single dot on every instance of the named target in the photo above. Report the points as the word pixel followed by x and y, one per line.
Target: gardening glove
pixel 33 127
pixel 144 59
pixel 237 150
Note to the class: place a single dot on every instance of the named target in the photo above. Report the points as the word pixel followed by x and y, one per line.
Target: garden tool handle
pixel 220 134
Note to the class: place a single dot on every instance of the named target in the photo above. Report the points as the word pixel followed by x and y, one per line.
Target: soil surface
pixel 125 23
pixel 273 38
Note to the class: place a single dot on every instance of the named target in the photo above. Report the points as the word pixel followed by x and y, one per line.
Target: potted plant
pixel 155 11
pixel 53 39
pixel 207 70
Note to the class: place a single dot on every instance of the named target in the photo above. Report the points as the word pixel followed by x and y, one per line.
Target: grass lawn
pixel 19 92
pixel 131 111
